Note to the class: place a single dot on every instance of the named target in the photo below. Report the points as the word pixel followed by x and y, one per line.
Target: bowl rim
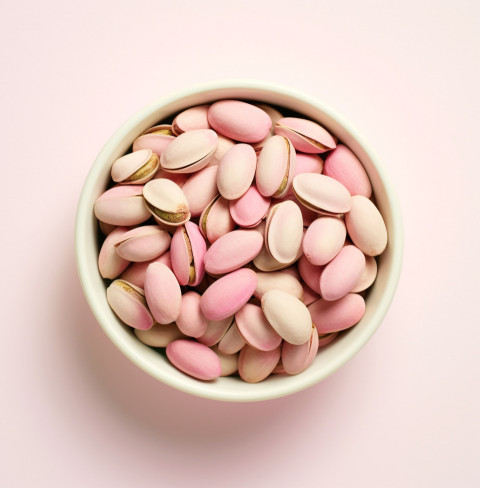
pixel 84 215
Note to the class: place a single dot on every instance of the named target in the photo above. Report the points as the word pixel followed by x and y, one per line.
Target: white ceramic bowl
pixel 231 388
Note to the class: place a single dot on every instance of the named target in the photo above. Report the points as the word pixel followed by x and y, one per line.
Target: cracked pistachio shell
pixel 191 320
pixel 216 220
pixel 275 167
pixel 306 163
pixel 324 240
pixel 236 171
pixel 188 250
pixel 342 273
pixel 122 205
pixel 110 264
pixel 229 362
pixel 190 151
pixel 255 328
pixel 238 120
pixel 254 366
pixel 135 273
pixel 308 215
pixel 194 359
pixel 135 168
pixel 165 200
pixel 306 136
pixel 288 316
pixel 200 189
pixel 337 315
pixel 160 335
pixel 224 144
pixel 310 273
pixel 325 339
pixel 284 231
pixel 321 193
pixel 178 178
pixel 297 358
pixel 275 116
pixel 129 304
pixel 216 329
pixel 368 276
pixel 278 280
pixel 156 138
pixel 232 251
pixel 232 341
pixel 250 208
pixel 143 243
pixel 346 168
pixel 366 227
pixel 163 293
pixel 228 294
pixel 191 119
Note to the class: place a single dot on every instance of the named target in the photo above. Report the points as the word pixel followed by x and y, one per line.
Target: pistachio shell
pixel 188 250
pixel 308 215
pixel 163 293
pixel 216 329
pixel 232 251
pixel 306 136
pixel 156 138
pixel 228 294
pixel 309 296
pixel 143 243
pixel 128 303
pixel 232 341
pixel 278 280
pixel 310 273
pixel 254 366
pixel 337 315
pixel 105 228
pixel 325 339
pixel 110 264
pixel 275 116
pixel 236 171
pixel 255 328
pixel 159 335
pixel 366 227
pixel 239 120
pixel 178 178
pixel 324 240
pixel 229 362
pixel 194 359
pixel 275 167
pixel 136 167
pixel 191 321
pixel 346 168
pixel 216 220
pixel 306 163
pixel 224 144
pixel 200 189
pixel 121 205
pixel 166 201
pixel 135 273
pixel 321 193
pixel 297 358
pixel 284 231
pixel 340 275
pixel 190 151
pixel 288 316
pixel 191 119
pixel 250 208
pixel 368 276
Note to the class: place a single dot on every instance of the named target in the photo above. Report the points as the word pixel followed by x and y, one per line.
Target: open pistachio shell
pixel 159 335
pixel 163 293
pixel 135 168
pixel 306 136
pixel 191 119
pixel 191 320
pixel 129 304
pixel 278 280
pixel 200 188
pixel 110 264
pixel 275 167
pixel 284 231
pixel 306 163
pixel 143 243
pixel 215 220
pixel 166 201
pixel 254 365
pixel 122 205
pixel 156 138
pixel 135 273
pixel 190 151
pixel 297 358
pixel 188 250
pixel 250 208
pixel 232 341
pixel 321 193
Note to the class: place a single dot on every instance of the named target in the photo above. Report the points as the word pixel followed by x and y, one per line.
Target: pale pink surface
pixel 404 411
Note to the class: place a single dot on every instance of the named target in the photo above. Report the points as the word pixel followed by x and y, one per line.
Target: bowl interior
pixel 329 358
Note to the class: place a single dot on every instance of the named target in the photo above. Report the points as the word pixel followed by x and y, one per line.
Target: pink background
pixel 405 410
